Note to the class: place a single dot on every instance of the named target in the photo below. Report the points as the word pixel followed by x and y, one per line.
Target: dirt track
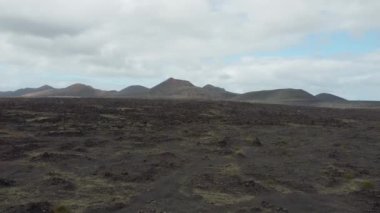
pixel 109 155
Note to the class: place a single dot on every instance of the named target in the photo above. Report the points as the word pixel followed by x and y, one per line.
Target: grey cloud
pixel 37 27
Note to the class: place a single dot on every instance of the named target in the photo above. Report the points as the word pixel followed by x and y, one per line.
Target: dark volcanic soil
pixel 106 155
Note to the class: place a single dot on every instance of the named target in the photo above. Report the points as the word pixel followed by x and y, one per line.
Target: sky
pixel 241 45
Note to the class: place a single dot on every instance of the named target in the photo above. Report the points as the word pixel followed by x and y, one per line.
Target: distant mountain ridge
pixel 75 90
pixel 179 89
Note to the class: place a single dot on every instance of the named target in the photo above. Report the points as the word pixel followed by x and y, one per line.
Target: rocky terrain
pixel 131 155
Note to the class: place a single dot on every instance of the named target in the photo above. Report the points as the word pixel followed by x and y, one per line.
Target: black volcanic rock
pixel 326 97
pixel 279 95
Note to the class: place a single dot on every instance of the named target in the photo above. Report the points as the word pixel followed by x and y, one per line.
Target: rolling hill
pixel 217 92
pixel 277 96
pixel 133 91
pixel 329 98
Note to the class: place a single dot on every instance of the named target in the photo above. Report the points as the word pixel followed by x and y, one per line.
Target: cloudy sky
pixel 241 45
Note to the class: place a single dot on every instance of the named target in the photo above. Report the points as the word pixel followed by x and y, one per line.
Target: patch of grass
pixel 94 190
pixel 230 169
pixel 211 137
pixel 333 171
pixel 9 195
pixel 221 199
pixel 270 183
pixel 366 185
pixel 240 153
pixel 353 185
pixel 348 175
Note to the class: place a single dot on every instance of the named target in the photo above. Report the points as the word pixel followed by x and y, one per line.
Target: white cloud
pixel 153 39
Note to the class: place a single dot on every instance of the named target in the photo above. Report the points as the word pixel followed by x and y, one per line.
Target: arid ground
pixel 120 155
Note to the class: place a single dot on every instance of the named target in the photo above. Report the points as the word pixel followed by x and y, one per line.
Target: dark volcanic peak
pixel 329 98
pixel 279 95
pixel 218 92
pixel 79 86
pixel 172 82
pixel 135 88
pixel 171 87
pixel 76 90
pixel 210 87
pixel 133 91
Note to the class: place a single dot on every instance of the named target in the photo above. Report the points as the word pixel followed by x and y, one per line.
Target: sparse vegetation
pixel 240 153
pixel 231 169
pixel 221 199
pixel 367 185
